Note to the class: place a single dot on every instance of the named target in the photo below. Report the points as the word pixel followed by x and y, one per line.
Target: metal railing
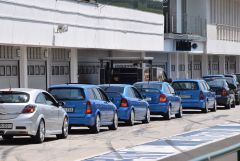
pixel 228 33
pixel 220 153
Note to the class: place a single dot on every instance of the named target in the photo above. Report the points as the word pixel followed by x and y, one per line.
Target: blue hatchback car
pixel 130 104
pixel 195 94
pixel 86 105
pixel 161 98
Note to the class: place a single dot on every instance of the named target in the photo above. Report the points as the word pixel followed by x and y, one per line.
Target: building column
pixel 23 75
pixel 169 65
pixel 74 66
pixel 237 64
pixel 204 64
pixel 186 65
pixel 177 65
pixel 48 55
pixel 222 64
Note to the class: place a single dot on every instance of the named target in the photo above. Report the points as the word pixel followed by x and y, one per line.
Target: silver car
pixel 31 112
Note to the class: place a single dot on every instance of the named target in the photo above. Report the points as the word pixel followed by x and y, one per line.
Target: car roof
pixel 115 85
pixel 73 85
pixel 189 80
pixel 214 75
pixel 26 90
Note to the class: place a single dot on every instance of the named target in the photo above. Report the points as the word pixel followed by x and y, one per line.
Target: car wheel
pixel 64 133
pixel 179 114
pixel 131 120
pixel 205 109
pixel 40 136
pixel 214 109
pixel 96 127
pixel 233 105
pixel 114 125
pixel 7 137
pixel 167 116
pixel 238 101
pixel 147 117
pixel 228 106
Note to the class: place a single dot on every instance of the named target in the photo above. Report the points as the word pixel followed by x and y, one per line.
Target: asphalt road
pixel 81 144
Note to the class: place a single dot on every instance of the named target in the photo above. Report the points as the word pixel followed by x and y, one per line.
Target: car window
pixel 67 93
pixel 140 86
pixel 49 99
pixel 206 85
pixel 166 89
pixel 97 94
pixel 90 94
pixel 130 93
pixel 41 99
pixel 136 93
pixel 202 86
pixel 13 97
pixel 171 89
pixel 112 89
pixel 103 95
pixel 185 85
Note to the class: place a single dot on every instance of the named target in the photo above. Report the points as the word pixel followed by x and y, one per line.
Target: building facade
pixel 59 41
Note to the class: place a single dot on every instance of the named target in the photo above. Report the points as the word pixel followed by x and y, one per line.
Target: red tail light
pixel 124 102
pixel 29 109
pixel 88 108
pixel 201 96
pixel 224 92
pixel 163 98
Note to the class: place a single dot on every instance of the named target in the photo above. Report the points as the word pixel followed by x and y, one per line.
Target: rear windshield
pixel 185 86
pixel 68 93
pixel 229 80
pixel 140 86
pixel 113 89
pixel 13 97
pixel 216 82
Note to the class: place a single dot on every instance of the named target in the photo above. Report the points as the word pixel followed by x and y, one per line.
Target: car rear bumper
pixel 222 100
pixel 87 120
pixel 123 114
pixel 193 104
pixel 158 108
pixel 20 127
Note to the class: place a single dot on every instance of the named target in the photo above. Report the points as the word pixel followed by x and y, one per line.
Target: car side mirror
pixel 61 103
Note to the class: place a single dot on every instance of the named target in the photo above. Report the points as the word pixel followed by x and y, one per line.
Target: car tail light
pixel 88 108
pixel 224 92
pixel 163 98
pixel 201 96
pixel 124 102
pixel 29 109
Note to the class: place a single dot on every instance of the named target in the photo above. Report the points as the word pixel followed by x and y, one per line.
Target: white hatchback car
pixel 31 112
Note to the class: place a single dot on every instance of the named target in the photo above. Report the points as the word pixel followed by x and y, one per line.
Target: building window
pixel 181 67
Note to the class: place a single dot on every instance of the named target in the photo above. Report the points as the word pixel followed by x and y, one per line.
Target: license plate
pixel 69 109
pixel 5 126
pixel 185 96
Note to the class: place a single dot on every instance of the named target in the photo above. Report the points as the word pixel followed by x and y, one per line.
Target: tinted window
pixel 185 85
pixel 171 89
pixel 130 93
pixel 97 94
pixel 140 86
pixel 136 93
pixel 230 80
pixel 103 95
pixel 166 89
pixel 90 94
pixel 112 89
pixel 68 93
pixel 40 99
pixel 202 86
pixel 49 99
pixel 13 97
pixel 216 82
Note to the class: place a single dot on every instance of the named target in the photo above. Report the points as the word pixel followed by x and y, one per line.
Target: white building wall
pixel 89 25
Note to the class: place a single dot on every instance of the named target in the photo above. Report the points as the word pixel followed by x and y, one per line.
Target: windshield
pixel 216 82
pixel 13 97
pixel 113 89
pixel 68 93
pixel 185 86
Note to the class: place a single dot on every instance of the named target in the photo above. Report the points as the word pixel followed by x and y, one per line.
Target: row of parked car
pixel 37 113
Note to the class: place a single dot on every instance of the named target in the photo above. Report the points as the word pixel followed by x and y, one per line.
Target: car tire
pixel 65 127
pixel 214 109
pixel 96 127
pixel 233 105
pixel 147 117
pixel 7 137
pixel 131 120
pixel 205 110
pixel 179 114
pixel 114 125
pixel 228 106
pixel 167 116
pixel 40 136
pixel 238 101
